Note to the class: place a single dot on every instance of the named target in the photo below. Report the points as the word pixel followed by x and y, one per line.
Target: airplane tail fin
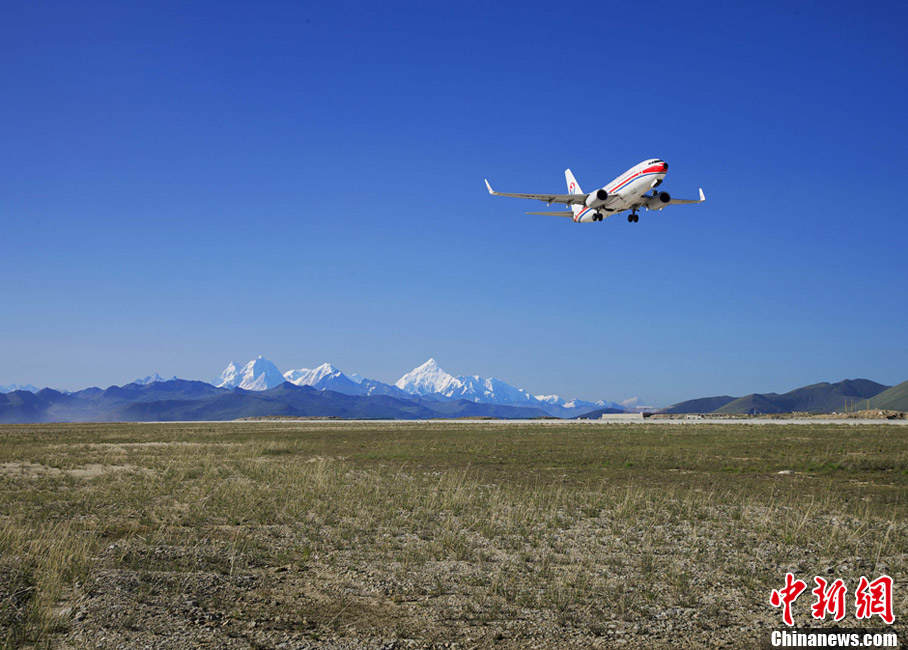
pixel 573 188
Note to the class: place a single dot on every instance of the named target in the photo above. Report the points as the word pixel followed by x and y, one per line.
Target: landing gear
pixel 597 217
pixel 633 217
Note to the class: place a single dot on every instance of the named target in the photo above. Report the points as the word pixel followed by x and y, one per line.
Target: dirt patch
pixel 37 470
pixel 126 446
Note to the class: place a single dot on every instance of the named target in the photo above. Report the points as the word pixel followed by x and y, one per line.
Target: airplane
pixel 627 192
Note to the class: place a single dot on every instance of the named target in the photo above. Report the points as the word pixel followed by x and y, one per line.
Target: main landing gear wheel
pixel 633 217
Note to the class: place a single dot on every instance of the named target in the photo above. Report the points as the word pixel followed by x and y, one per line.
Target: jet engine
pixel 658 201
pixel 596 199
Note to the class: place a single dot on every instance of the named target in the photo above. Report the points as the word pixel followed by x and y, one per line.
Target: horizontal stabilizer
pixel 566 213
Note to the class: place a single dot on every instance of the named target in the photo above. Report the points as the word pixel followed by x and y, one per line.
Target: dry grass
pixel 259 533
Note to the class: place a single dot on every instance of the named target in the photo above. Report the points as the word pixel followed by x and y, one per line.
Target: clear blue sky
pixel 185 184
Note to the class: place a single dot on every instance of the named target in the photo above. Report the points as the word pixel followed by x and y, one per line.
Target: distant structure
pixel 621 417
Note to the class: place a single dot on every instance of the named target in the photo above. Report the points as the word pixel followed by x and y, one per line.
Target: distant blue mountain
pixel 259 388
pixel 179 399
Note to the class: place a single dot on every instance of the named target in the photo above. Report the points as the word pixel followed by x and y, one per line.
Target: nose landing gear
pixel 633 217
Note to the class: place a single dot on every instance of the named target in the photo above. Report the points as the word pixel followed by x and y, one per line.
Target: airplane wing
pixel 679 201
pixel 568 199
pixel 566 213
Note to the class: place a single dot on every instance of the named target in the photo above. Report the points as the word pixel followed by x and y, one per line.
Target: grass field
pixel 257 534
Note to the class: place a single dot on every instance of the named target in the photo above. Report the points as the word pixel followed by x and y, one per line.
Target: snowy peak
pixel 14 387
pixel 429 379
pixel 152 379
pixel 326 369
pixel 307 377
pixel 229 377
pixel 495 391
pixel 327 377
pixel 297 377
pixel 258 374
pixel 579 403
pixel 576 405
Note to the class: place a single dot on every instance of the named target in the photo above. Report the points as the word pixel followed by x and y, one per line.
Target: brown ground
pixel 307 534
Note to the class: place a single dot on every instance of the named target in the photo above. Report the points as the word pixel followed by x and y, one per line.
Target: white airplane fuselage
pixel 633 190
pixel 626 191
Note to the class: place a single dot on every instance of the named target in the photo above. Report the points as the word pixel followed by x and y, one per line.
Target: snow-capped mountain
pixel 429 380
pixel 423 385
pixel 327 377
pixel 579 406
pixel 151 379
pixel 576 404
pixel 481 389
pixel 579 403
pixel 307 377
pixel 258 374
pixel 14 387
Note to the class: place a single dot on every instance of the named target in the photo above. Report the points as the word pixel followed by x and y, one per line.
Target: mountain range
pixel 258 388
pixel 428 381
pixel 848 394
pixel 178 399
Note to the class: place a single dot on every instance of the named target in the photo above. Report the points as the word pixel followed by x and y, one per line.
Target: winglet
pixel 702 198
pixel 491 191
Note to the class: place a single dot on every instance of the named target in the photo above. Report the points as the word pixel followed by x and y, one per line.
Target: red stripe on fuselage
pixel 649 170
pixel 580 214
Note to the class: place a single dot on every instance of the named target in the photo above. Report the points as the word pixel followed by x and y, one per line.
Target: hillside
pixel 895 398
pixel 816 398
pixel 702 405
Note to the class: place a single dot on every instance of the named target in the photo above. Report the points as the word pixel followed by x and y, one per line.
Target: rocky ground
pixel 304 535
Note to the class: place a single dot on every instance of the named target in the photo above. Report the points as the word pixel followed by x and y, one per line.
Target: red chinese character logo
pixel 785 597
pixel 830 600
pixel 874 598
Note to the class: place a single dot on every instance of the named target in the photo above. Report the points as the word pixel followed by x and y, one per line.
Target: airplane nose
pixel 665 166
